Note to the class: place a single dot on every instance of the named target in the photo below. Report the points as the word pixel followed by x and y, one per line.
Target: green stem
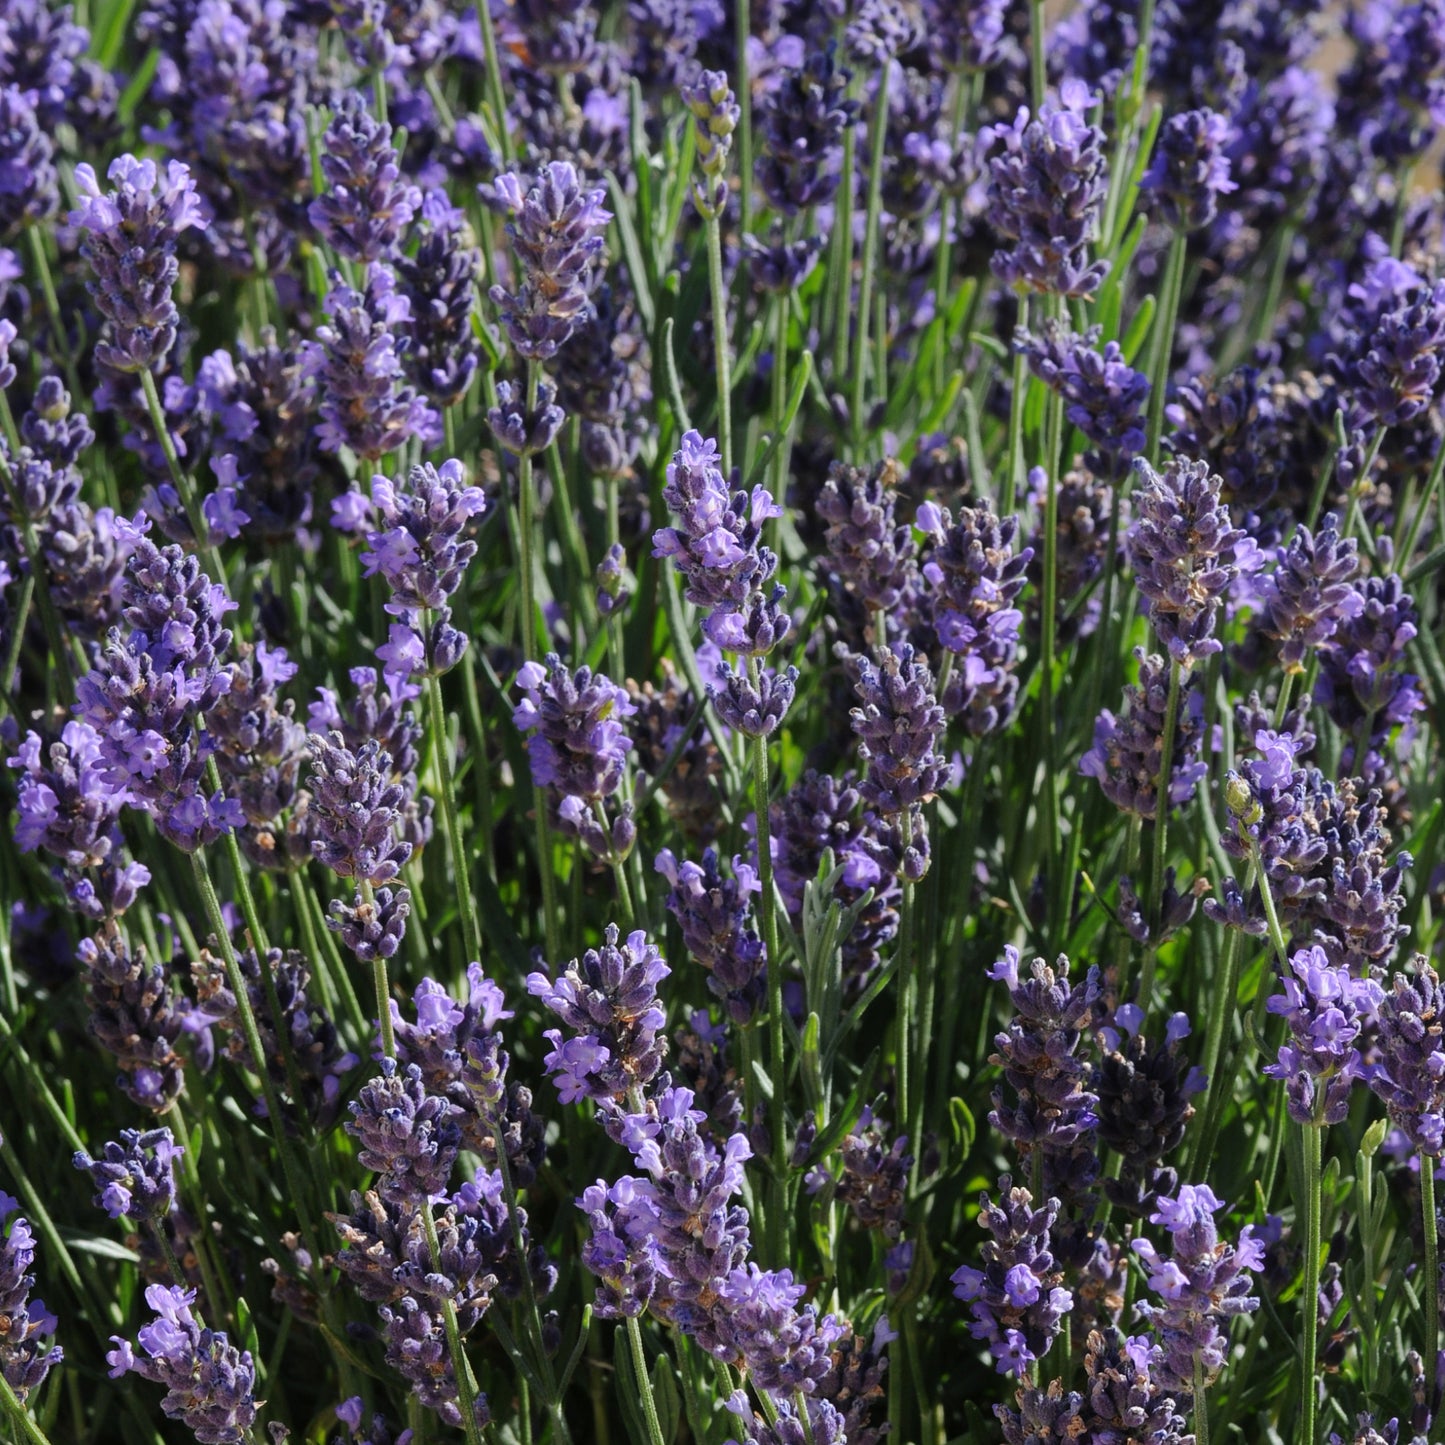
pixel 1432 1261
pixel 8 685
pixel 720 344
pixel 52 306
pixel 1310 1140
pixel 1162 339
pixel 1407 550
pixel 870 255
pixel 461 872
pixel 777 1063
pixel 460 1368
pixel 1201 1405
pixel 30 542
pixel 1059 886
pixel 252 1034
pixel 381 985
pixel 1038 67
pixel 743 93
pixel 20 1417
pixel 1014 472
pixel 496 91
pixel 910 1088
pixel 184 490
pixel 644 1382
pixel 1161 834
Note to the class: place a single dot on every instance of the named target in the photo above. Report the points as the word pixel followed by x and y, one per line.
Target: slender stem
pixel 1162 340
pixel 777 1063
pixel 52 306
pixel 910 1088
pixel 1014 473
pixel 841 262
pixel 20 1417
pixel 870 254
pixel 184 490
pixel 743 93
pixel 460 1368
pixel 496 91
pixel 8 686
pixel 1407 550
pixel 1431 1227
pixel 1310 1139
pixel 461 872
pixel 1060 887
pixel 252 1034
pixel 644 1382
pixel 1038 67
pixel 1161 833
pixel 378 94
pixel 382 987
pixel 720 344
pixel 30 542
pixel 1201 1405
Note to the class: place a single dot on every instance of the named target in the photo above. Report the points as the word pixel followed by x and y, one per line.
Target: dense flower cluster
pixel 26 1357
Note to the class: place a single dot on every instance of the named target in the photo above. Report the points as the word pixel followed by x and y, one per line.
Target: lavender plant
pixel 671 537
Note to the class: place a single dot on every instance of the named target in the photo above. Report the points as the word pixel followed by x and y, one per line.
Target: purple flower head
pixel 439 282
pixel 1361 683
pixel 870 555
pixel 136 1016
pixel 356 361
pixel 1123 1401
pixel 355 808
pixel 25 1324
pixel 1326 1010
pixel 68 802
pixel 419 545
pixel 1045 1102
pixel 785 1349
pixel 1017 1300
pixel 715 113
pixel 521 430
pixel 135 1176
pixel 1182 547
pixel 367 206
pixel 623 1258
pixel 714 913
pixel 1308 595
pixel 1395 369
pixel 801 125
pixel 209 1382
pixel 556 229
pixel 608 1001
pixel 1103 395
pixel 781 266
pixel 29 187
pixel 1202 1283
pixel 1189 170
pixel 408 1136
pixel 1128 751
pixel 1046 188
pixel 129 238
pixel 973 576
pixel 819 1424
pixel 898 727
pixel 1410 1074
pixel 577 743
pixel 717 549
pixel 150 686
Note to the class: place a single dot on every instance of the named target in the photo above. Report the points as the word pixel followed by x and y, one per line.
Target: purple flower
pixel 1045 1104
pixel 623 1257
pixel 366 206
pixel 1410 1074
pixel 556 229
pixel 1123 1401
pixel 1326 1010
pixel 357 363
pixel 870 555
pixel 1361 684
pixel 420 545
pixel 1128 751
pixel 408 1136
pixel 1018 1300
pixel 130 236
pixel 29 187
pixel 608 1001
pixel 1202 1283
pixel 522 431
pixel 1189 170
pixel 1308 596
pixel 715 916
pixel 1183 550
pixel 355 808
pixel 1103 395
pixel 973 575
pixel 136 1176
pixel 25 1323
pixel 438 282
pixel 136 1017
pixel 801 125
pixel 209 1382
pixel 577 744
pixel 1046 188
pixel 898 727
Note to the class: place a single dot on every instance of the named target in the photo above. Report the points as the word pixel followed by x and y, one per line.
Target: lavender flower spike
pixel 1185 552
pixel 25 1323
pixel 1190 169
pixel 356 808
pixel 556 231
pixel 209 1382
pixel 1410 1076
pixel 366 207
pixel 130 236
pixel 135 1177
